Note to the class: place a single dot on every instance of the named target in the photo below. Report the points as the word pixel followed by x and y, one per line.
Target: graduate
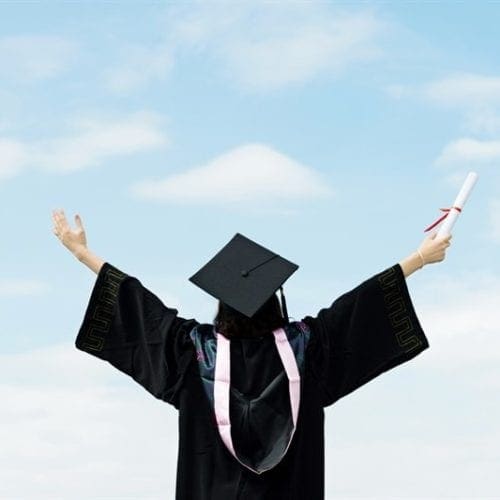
pixel 251 387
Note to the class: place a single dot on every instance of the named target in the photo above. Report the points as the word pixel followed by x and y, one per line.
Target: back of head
pixel 232 324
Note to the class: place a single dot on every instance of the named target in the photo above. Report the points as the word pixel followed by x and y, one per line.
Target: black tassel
pixel 283 306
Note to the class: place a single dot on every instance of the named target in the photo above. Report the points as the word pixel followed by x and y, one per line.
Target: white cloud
pixel 464 90
pixel 93 141
pixel 28 58
pixel 463 466
pixel 258 45
pixel 13 157
pixel 253 172
pixel 67 417
pixel 477 98
pixel 468 150
pixel 22 287
pixel 459 313
pixel 309 47
pixel 461 90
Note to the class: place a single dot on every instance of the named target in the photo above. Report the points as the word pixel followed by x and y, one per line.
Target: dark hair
pixel 232 323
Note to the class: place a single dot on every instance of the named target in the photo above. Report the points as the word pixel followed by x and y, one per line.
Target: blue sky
pixel 329 132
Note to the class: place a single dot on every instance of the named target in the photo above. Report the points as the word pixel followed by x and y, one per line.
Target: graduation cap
pixel 244 275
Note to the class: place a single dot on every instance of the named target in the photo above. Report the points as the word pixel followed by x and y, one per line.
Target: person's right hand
pixel 433 249
pixel 74 240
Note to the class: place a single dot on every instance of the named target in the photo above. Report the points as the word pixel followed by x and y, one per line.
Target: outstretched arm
pixel 431 250
pixel 75 240
pixel 128 325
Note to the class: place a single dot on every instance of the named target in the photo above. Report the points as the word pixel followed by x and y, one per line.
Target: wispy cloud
pixel 58 428
pixel 460 314
pixel 310 42
pixel 92 142
pixel 468 150
pixel 453 464
pixel 22 287
pixel 95 140
pixel 249 173
pixel 477 98
pixel 260 46
pixel 13 157
pixel 464 90
pixel 26 58
pixel 460 90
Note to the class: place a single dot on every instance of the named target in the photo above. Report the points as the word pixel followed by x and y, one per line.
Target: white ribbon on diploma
pixel 452 213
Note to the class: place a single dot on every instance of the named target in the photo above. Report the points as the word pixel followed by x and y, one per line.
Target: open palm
pixel 73 239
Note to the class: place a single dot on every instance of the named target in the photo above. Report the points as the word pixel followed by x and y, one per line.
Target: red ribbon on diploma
pixel 447 210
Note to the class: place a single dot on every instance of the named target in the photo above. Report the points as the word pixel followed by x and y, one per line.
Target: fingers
pixel 57 229
pixel 60 223
pixel 78 221
pixel 441 238
pixel 63 221
pixel 60 218
pixel 447 240
pixel 56 218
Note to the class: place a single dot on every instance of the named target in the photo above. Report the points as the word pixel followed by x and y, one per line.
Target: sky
pixel 329 132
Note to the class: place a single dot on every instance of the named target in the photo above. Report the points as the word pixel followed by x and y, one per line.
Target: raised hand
pixel 433 249
pixel 74 240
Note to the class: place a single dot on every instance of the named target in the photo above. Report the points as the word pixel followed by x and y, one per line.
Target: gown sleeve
pixel 128 326
pixel 365 332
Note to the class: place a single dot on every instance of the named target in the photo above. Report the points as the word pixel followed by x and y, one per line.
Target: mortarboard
pixel 244 275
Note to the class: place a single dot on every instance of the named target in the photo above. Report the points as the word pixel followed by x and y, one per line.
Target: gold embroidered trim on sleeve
pixel 398 313
pixel 102 313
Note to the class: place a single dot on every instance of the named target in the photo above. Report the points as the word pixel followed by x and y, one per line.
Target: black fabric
pixel 128 326
pixel 362 334
pixel 365 332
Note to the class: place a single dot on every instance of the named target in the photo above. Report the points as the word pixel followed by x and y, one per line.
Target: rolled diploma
pixel 448 223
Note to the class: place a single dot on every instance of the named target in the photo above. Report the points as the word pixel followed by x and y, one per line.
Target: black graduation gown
pixel 363 333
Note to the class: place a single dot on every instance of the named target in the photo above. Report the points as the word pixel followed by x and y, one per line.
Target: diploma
pixel 452 213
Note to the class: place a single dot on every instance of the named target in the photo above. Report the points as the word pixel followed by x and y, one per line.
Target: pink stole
pixel 222 384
